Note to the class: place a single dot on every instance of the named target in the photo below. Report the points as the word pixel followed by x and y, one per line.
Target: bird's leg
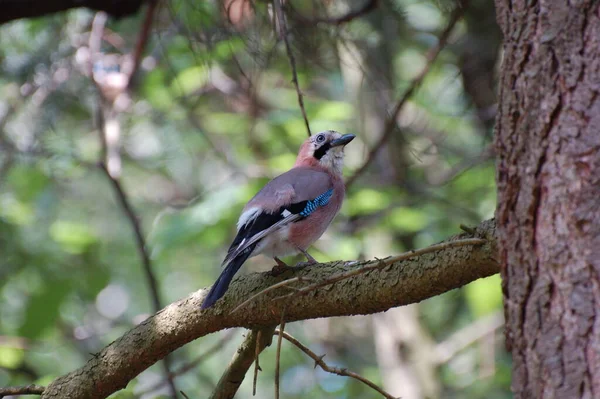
pixel 280 263
pixel 309 258
pixel 280 267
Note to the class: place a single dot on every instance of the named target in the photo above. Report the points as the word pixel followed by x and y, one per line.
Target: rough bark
pixel 15 9
pixel 548 147
pixel 398 284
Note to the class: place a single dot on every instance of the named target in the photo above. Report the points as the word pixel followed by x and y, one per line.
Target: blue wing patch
pixel 321 200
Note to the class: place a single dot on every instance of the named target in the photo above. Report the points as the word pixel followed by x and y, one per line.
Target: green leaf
pixel 367 201
pixel 74 237
pixel 43 308
pixel 335 111
pixel 93 276
pixel 156 92
pixel 10 358
pixel 408 220
pixel 225 123
pixel 16 212
pixel 27 181
pixel 189 80
pixel 175 228
pixel 484 296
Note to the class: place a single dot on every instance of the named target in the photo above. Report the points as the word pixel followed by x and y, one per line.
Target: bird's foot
pixel 301 265
pixel 280 267
pixel 309 259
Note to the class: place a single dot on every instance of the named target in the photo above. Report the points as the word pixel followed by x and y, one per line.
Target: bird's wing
pixel 296 185
pixel 284 200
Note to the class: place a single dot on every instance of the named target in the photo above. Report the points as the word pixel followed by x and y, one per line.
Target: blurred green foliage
pixel 213 116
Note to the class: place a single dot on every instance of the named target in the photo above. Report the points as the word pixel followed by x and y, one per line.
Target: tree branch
pixel 366 8
pixel 391 123
pixel 109 129
pixel 142 40
pixel 28 390
pixel 278 354
pixel 15 9
pixel 329 369
pixel 283 31
pixel 233 377
pixel 365 269
pixel 139 238
pixel 400 283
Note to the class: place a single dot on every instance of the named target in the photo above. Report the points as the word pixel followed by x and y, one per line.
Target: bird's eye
pixel 320 138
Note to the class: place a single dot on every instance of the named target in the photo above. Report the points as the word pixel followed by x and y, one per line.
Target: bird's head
pixel 324 149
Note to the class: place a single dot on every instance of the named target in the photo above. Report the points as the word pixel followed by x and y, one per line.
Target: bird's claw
pixel 305 264
pixel 280 269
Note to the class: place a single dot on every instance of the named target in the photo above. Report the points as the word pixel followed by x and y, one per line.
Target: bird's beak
pixel 345 139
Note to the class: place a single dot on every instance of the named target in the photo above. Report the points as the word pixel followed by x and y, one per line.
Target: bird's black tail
pixel 220 286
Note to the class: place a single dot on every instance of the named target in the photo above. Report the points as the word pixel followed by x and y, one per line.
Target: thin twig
pixel 142 40
pixel 146 263
pixel 470 230
pixel 135 225
pixel 95 42
pixel 284 34
pixel 24 370
pixel 278 354
pixel 130 213
pixel 256 364
pixel 139 237
pixel 27 390
pixel 369 6
pixel 333 370
pixel 182 100
pixel 391 122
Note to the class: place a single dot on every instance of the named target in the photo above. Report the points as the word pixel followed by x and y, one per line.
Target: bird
pixel 291 211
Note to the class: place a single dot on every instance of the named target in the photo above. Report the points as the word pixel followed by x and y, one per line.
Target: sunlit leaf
pixel 408 219
pixel 16 212
pixel 189 80
pixel 367 201
pixel 73 237
pixel 10 357
pixel 484 296
pixel 334 111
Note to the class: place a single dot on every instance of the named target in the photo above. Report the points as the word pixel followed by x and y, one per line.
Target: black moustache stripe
pixel 321 151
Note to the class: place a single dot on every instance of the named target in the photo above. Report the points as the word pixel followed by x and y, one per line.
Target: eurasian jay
pixel 292 211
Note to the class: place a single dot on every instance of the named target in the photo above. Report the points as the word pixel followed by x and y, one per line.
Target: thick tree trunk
pixel 548 146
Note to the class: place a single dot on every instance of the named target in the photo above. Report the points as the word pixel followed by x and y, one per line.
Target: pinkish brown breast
pixel 305 232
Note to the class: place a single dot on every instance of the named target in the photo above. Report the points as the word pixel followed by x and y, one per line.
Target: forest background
pixel 130 145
